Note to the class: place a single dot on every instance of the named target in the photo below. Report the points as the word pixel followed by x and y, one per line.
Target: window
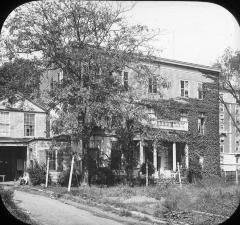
pixel 221 148
pixel 237 145
pixel 96 143
pixel 152 113
pixel 221 107
pixel 125 80
pixel 200 91
pixel 52 159
pixel 184 88
pixel 221 159
pixel 60 76
pixel 221 120
pixel 222 116
pixel 4 124
pixel 51 84
pixel 152 84
pixel 237 132
pixel 201 125
pixel 221 127
pixel 29 124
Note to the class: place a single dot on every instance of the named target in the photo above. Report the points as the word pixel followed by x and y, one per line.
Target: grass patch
pixel 125 212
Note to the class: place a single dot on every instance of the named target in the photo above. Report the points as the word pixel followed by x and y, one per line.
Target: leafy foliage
pixel 63 178
pixel 20 75
pixel 37 174
pixel 91 42
pixel 150 169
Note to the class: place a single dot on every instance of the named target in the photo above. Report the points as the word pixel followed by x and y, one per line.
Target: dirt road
pixel 47 211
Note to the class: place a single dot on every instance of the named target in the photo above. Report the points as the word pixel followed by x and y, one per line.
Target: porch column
pixel 174 157
pixel 155 158
pixel 186 156
pixel 27 164
pixel 141 152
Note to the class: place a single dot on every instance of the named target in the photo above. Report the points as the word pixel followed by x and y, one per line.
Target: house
pixel 188 133
pixel 23 136
pixel 229 135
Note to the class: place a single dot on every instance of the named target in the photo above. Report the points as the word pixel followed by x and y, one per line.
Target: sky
pixel 195 32
pixel 189 31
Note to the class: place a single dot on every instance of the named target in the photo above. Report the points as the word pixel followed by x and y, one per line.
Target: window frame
pixel 34 125
pixel 125 80
pixel 152 85
pixel 52 159
pixel 200 91
pixel 6 124
pixel 184 89
pixel 201 125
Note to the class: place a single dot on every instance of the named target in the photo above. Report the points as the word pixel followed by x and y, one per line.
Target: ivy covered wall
pixel 205 145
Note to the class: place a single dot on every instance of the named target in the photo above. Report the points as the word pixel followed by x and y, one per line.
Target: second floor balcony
pixel 170 124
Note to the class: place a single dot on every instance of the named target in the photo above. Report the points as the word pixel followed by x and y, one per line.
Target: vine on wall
pixel 205 145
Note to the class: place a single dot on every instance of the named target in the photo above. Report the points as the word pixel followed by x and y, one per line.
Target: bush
pixel 37 174
pixel 7 196
pixel 103 176
pixel 63 178
pixel 150 169
pixel 194 173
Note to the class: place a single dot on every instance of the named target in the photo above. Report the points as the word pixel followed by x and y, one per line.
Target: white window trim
pixel 198 90
pixel 184 89
pixel 34 131
pixel 8 135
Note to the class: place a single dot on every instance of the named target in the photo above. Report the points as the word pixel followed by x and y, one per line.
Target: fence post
pixel 179 175
pixel 70 176
pixel 46 184
pixel 147 173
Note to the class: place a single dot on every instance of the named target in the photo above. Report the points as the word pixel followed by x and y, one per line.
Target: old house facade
pixel 184 127
pixel 23 136
pixel 229 135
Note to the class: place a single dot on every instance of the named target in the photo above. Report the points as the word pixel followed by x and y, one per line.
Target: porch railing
pixel 170 125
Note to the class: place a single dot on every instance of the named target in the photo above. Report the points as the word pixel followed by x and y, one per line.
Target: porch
pixel 164 158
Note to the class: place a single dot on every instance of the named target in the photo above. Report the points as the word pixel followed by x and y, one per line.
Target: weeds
pixel 124 212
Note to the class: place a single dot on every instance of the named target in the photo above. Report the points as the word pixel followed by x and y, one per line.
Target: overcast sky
pixel 191 31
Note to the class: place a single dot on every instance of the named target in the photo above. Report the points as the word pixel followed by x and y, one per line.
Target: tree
pixel 91 42
pixel 20 75
pixel 229 64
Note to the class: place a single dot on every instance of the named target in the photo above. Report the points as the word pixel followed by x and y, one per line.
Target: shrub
pixel 150 169
pixel 63 178
pixel 103 176
pixel 7 196
pixel 37 174
pixel 194 173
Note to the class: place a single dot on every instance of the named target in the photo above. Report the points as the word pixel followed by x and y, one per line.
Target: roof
pixel 33 106
pixel 14 140
pixel 185 64
pixel 20 140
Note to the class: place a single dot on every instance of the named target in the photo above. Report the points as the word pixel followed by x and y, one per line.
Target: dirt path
pixel 47 211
